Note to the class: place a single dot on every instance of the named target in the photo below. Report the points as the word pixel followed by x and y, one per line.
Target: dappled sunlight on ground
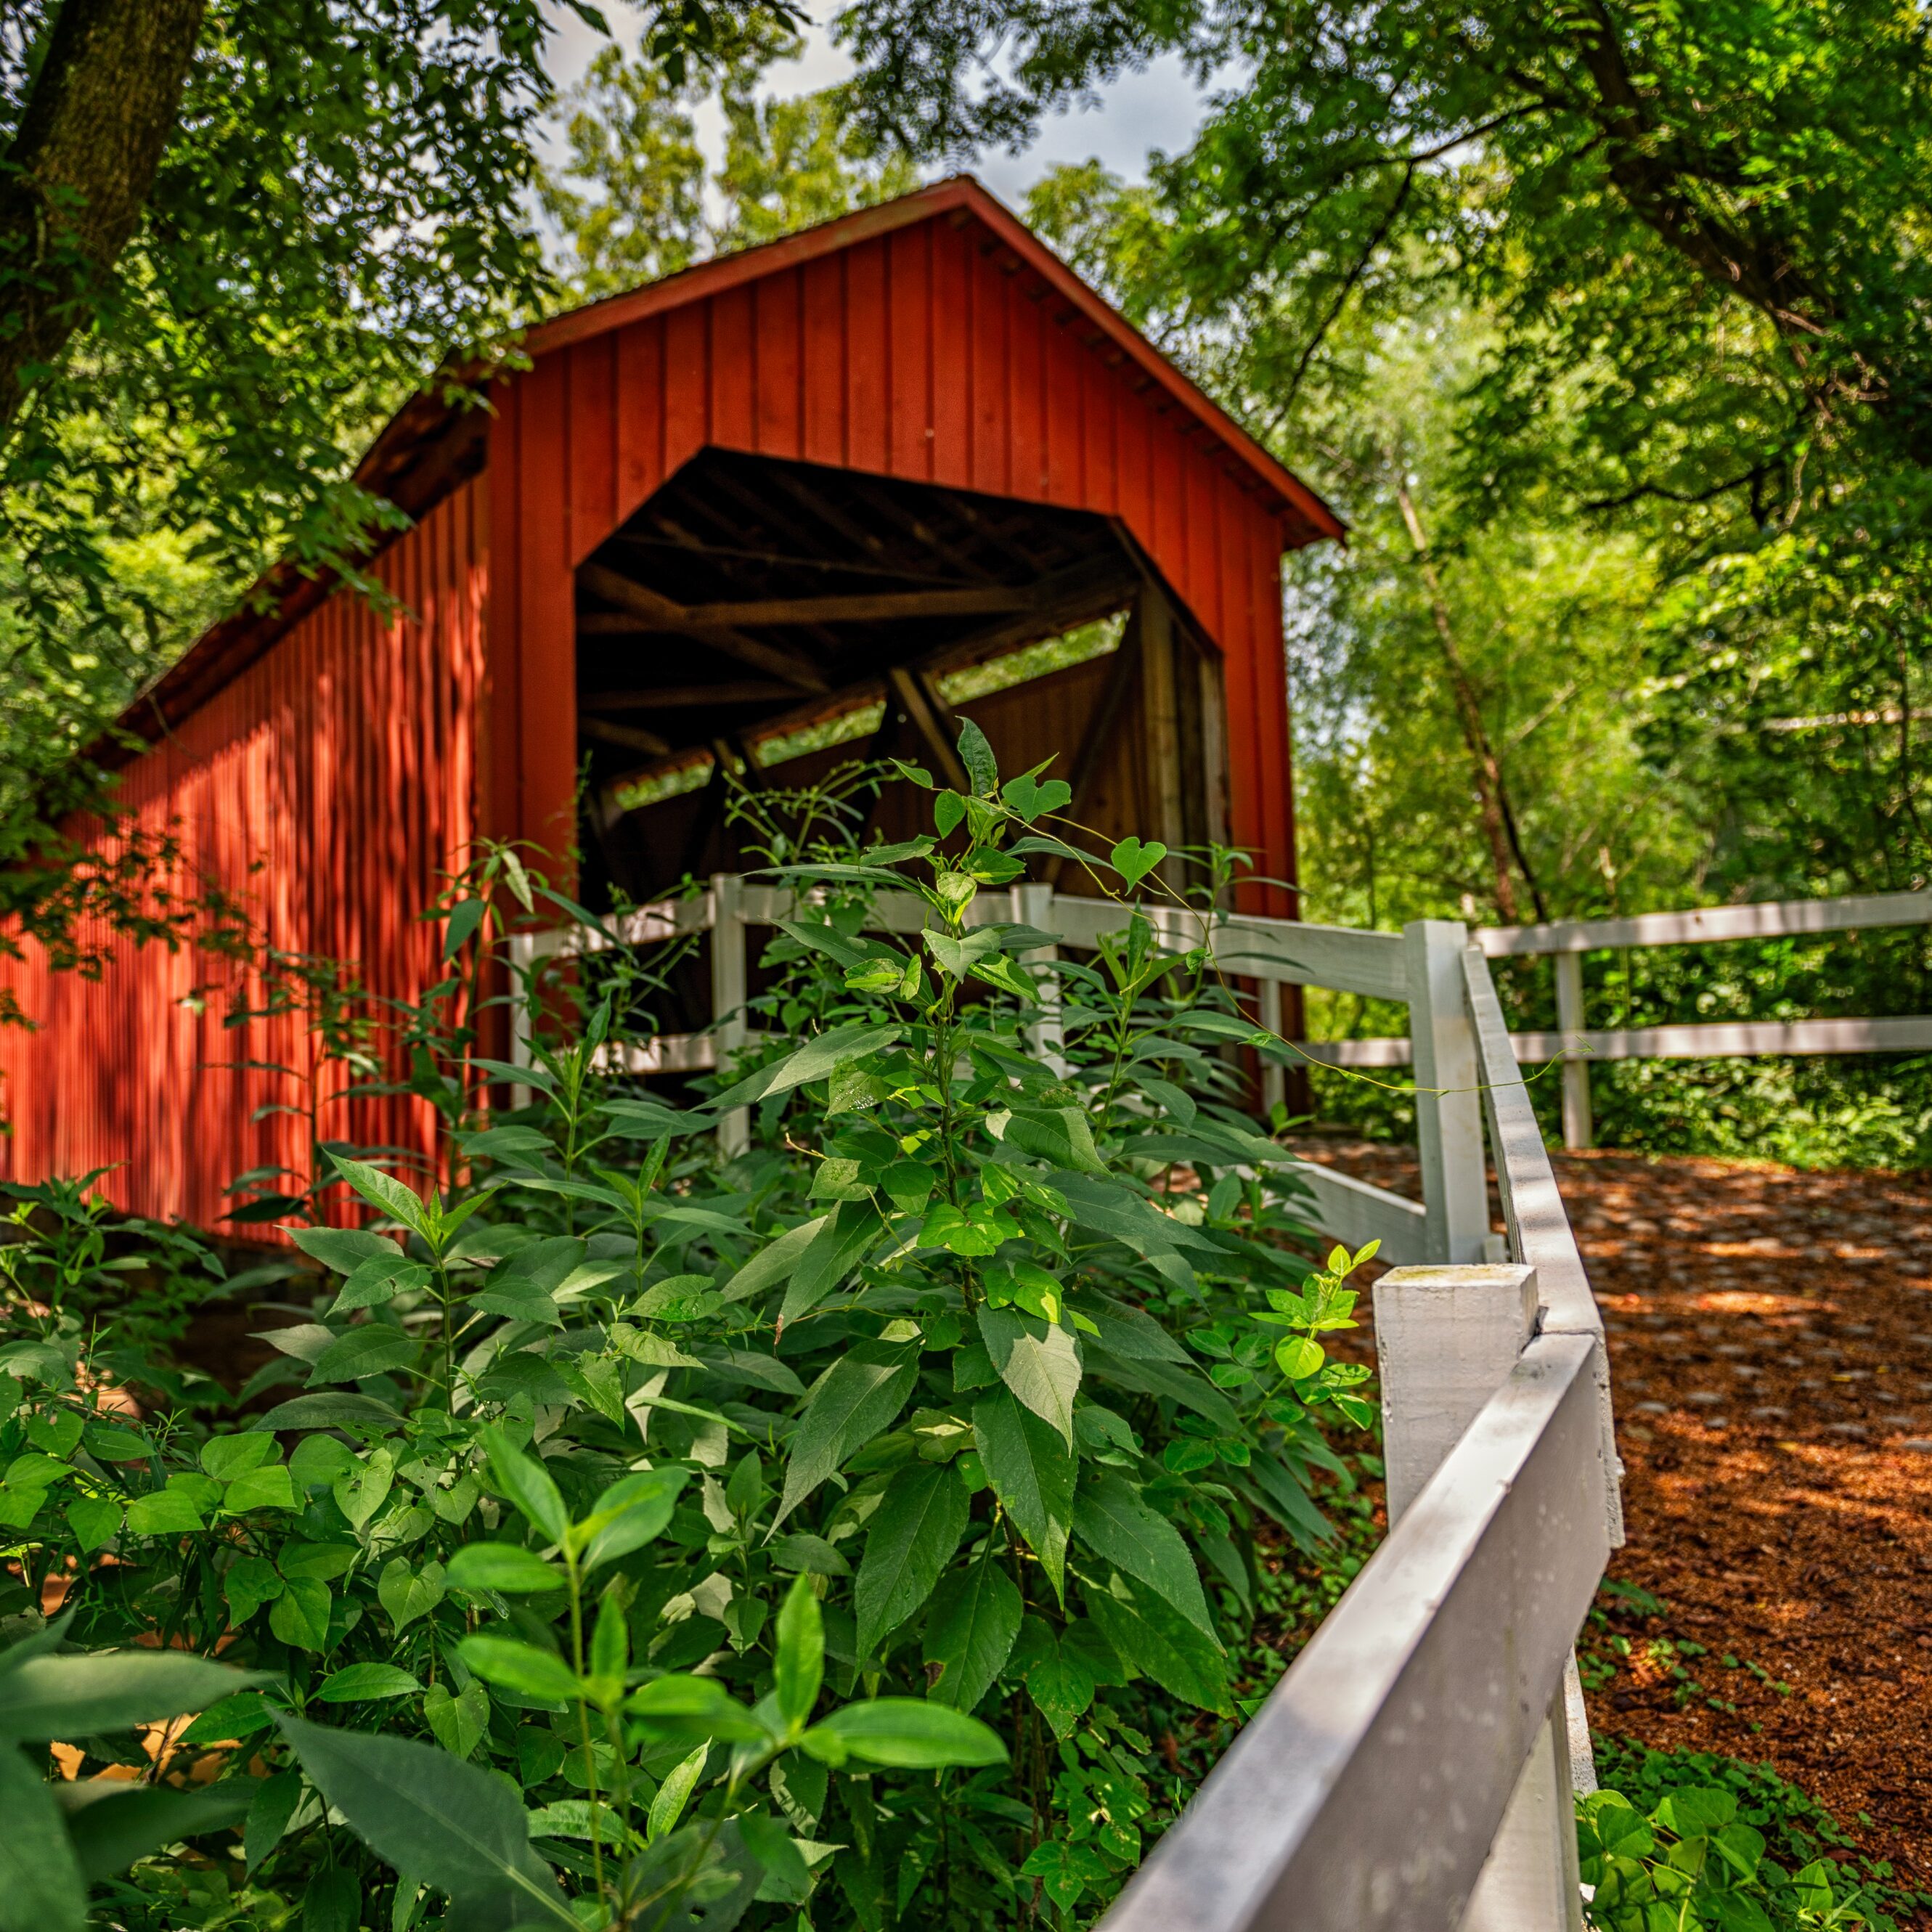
pixel 1770 1351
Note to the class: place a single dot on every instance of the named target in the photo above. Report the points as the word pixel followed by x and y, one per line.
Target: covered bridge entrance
pixel 751 520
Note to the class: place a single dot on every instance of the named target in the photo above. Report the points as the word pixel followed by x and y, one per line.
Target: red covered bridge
pixel 789 486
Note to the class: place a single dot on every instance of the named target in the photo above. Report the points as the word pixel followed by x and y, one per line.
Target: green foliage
pixel 641 1537
pixel 1691 1840
pixel 635 199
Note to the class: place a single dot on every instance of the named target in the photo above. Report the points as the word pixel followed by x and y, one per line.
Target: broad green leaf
pixel 1166 1378
pixel 810 1555
pixel 527 1483
pixel 408 1593
pixel 48 1697
pixel 1133 860
pixel 800 1657
pixel 344 1250
pixel 674 1794
pixel 1299 1357
pixel 363 1490
pixel 853 1226
pixel 520 1666
pixel 1042 1370
pixel 1032 799
pixel 909 1542
pixel 1113 1523
pixel 94 1520
pixel 1057 1677
pixel 1031 1469
pixel 970 1631
pixel 774 1262
pixel 1062 1136
pixel 425 1812
pixel 385 1191
pixel 330 1409
pixel 270 1809
pixel 909 1734
pixel 300 1614
pixel 241 1716
pixel 358 1683
pixel 225 1457
pixel 370 1348
pixel 859 1039
pixel 457 1722
pixel 862 1393
pixel 163 1513
pixel 379 1280
pixel 678 1707
pixel 632 1512
pixel 268 1488
pixel 248 1583
pixel 976 755
pixel 41 1888
pixel 505 1566
pixel 1165 1646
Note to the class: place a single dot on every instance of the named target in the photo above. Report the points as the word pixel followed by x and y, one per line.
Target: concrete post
pixel 1446 1340
pixel 1448 1098
pixel 729 988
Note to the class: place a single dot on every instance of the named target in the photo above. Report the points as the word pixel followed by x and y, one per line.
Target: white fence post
pixel 1577 1126
pixel 1274 1076
pixel 1032 905
pixel 1448 1097
pixel 1446 1340
pixel 523 959
pixel 730 989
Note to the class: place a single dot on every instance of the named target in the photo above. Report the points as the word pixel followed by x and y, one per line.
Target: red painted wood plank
pixel 824 376
pixel 990 346
pixel 869 363
pixel 590 413
pixel 951 381
pixel 909 304
pixel 687 396
pixel 779 403
pixel 733 371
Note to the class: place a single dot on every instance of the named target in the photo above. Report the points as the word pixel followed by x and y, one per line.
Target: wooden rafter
pixel 628 736
pixel 684 697
pixel 662 614
pixel 868 608
pixel 928 712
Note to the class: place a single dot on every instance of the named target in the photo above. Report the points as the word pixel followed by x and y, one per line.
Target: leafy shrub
pixel 658 1540
pixel 1691 1840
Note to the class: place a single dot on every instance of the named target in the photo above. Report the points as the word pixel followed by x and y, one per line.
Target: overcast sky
pixel 1159 109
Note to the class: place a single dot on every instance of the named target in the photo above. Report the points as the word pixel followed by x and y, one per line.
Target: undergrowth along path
pixel 1770 1351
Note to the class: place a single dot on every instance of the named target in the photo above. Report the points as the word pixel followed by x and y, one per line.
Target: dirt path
pixel 1771 1353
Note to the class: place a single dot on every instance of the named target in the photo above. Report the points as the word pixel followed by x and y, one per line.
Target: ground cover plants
pixel 846 1532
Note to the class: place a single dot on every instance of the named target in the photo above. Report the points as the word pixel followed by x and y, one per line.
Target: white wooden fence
pixel 1576 1045
pixel 1413 1769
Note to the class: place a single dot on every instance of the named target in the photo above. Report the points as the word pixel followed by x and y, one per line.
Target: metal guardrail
pixel 1414 1768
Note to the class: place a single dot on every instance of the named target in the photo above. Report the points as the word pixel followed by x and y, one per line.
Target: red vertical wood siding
pixel 334 780
pixel 331 784
pixel 928 354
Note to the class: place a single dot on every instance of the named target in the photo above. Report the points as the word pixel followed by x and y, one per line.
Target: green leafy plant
pixel 640 1537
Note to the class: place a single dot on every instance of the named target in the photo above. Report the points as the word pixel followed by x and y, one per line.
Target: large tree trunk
pixel 81 168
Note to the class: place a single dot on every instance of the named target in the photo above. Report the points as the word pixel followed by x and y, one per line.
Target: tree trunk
pixel 1492 799
pixel 80 168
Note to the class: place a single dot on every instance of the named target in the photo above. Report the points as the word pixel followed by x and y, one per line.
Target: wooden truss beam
pixel 873 606
pixel 661 614
pixel 684 697
pixel 628 736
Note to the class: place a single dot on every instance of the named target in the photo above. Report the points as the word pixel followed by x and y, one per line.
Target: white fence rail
pixel 1414 1768
pixel 1567 941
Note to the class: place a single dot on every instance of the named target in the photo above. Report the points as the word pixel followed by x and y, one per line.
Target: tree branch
pixel 78 174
